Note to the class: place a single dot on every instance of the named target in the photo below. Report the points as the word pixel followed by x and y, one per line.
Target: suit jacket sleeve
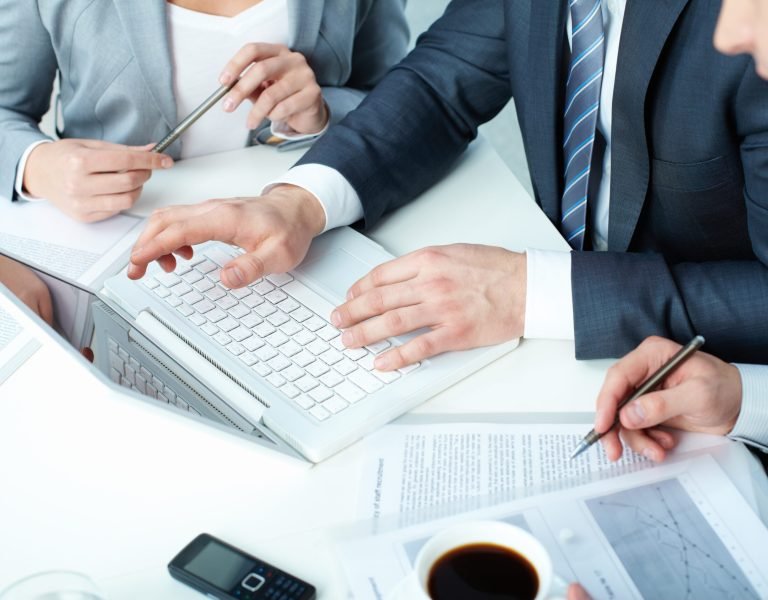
pixel 621 298
pixel 29 67
pixel 380 42
pixel 408 131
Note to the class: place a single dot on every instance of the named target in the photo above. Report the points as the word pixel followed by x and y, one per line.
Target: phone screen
pixel 219 566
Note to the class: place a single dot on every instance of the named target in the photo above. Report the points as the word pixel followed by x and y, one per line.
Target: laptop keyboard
pixel 125 370
pixel 289 346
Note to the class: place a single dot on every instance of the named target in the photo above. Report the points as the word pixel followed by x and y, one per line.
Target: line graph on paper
pixel 667 546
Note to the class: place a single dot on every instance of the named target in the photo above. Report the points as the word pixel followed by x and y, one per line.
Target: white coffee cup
pixel 497 533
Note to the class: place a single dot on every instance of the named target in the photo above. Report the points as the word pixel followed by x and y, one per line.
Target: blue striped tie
pixel 582 101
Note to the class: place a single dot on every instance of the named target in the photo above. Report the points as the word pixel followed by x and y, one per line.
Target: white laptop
pixel 269 352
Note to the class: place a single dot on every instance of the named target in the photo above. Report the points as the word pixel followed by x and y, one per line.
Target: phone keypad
pixel 267 584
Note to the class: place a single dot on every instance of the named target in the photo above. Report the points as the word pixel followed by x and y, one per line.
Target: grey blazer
pixel 115 68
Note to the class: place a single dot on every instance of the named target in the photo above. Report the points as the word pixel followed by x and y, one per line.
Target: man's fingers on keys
pixel 393 271
pixel 644 444
pixel 373 303
pixel 416 350
pixel 243 270
pixel 390 324
pixel 611 443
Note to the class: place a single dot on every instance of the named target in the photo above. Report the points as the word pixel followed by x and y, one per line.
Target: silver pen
pixel 648 385
pixel 193 117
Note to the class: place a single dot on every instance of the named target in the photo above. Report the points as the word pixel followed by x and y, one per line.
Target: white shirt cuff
pixel 19 187
pixel 752 425
pixel 336 195
pixel 282 130
pixel 548 301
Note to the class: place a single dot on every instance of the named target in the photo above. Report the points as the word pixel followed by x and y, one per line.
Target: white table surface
pixel 114 487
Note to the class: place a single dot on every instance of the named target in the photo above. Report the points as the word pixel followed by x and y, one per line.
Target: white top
pixel 197 66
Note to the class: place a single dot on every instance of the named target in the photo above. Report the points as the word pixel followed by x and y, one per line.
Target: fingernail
pixel 635 414
pixel 235 275
pixel 350 295
pixel 649 454
pixel 336 318
pixel 383 363
pixel 225 78
pixel 347 338
pixel 228 104
pixel 167 163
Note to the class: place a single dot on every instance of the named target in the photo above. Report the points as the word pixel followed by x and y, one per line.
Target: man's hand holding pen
pixel 703 394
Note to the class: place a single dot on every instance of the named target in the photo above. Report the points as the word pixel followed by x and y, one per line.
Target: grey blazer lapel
pixel 647 25
pixel 305 18
pixel 544 121
pixel 146 26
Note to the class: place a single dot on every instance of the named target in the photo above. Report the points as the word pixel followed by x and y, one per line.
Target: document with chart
pixel 676 531
pixel 72 258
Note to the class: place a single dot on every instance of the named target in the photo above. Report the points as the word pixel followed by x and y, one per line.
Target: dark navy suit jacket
pixel 688 232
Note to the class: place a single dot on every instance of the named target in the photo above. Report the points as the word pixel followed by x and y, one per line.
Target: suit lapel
pixel 145 24
pixel 544 122
pixel 305 18
pixel 647 25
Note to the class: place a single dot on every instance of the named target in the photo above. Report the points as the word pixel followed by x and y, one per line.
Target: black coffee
pixel 482 572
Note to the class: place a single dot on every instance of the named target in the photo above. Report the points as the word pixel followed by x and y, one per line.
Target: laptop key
pixel 192 277
pixel 253 343
pixel 192 297
pixel 314 323
pixel 162 291
pixel 235 348
pixel 251 320
pixel 248 358
pixel 206 266
pixel 317 368
pixel 320 394
pixel 301 314
pixel 331 356
pixel 226 302
pixel 288 305
pixel 379 347
pixel 185 310
pixel 289 389
pixel 292 373
pixel 203 285
pixel 203 306
pixel 167 279
pixel 227 324
pixel 240 333
pixel 290 348
pixel 291 328
pixel 278 338
pixel 196 319
pixel 303 358
pixel 253 300
pixel 386 376
pixel 304 402
pixel 328 333
pixel 209 329
pixel 331 379
pixel 215 315
pixel 173 300
pixel 240 293
pixel 304 337
pixel 262 288
pixel 151 282
pixel 266 353
pixel 275 380
pixel 278 363
pixel 279 279
pixel 349 391
pixel 262 369
pixel 335 405
pixel 239 311
pixel 409 368
pixel 222 338
pixel 306 383
pixel 365 380
pixel 355 353
pixel 181 288
pixel 319 413
pixel 215 293
pixel 345 366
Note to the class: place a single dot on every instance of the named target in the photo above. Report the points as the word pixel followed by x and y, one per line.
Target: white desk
pixel 114 487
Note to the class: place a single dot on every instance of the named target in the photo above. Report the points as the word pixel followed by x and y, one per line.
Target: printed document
pixel 414 467
pixel 680 530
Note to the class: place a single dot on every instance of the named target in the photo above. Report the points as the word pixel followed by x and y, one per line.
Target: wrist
pixel 304 207
pixel 30 181
pixel 732 397
pixel 518 269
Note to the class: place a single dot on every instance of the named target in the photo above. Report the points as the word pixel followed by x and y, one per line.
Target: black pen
pixel 648 386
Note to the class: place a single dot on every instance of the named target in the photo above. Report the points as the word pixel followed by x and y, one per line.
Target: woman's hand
pixel 90 180
pixel 281 85
pixel 27 287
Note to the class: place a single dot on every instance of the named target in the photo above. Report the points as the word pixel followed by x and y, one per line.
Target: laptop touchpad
pixel 334 271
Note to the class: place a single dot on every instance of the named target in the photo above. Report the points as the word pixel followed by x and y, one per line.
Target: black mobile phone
pixel 220 570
